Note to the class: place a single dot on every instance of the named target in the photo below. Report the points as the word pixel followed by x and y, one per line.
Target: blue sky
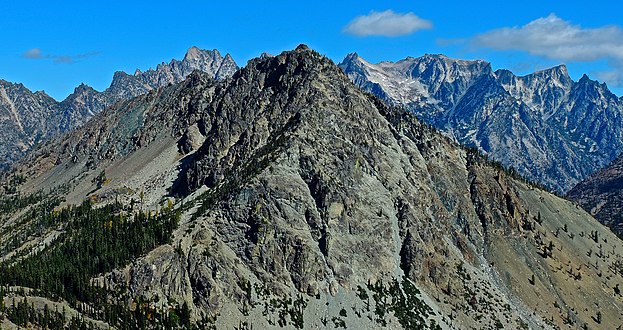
pixel 56 45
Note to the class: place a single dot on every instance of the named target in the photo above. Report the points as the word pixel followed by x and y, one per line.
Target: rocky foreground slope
pixel 551 129
pixel 301 202
pixel 27 118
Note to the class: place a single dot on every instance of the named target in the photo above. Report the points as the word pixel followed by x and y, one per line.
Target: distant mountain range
pixel 549 128
pixel 286 197
pixel 27 118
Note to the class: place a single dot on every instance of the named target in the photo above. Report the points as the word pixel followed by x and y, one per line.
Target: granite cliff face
pixel 34 117
pixel 308 203
pixel 551 129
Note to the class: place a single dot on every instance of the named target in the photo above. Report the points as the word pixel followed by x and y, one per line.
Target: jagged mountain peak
pixel 195 59
pixel 305 59
pixel 547 73
pixel 17 95
pixel 196 54
pixel 192 53
pixel 299 190
pixel 355 61
pixel 42 93
pixel 589 85
pixel 85 102
pixel 504 74
pixel 351 56
pixel 557 75
pixel 541 90
pixel 17 89
pixel 431 80
pixel 437 57
pixel 557 69
pixel 25 117
pixel 15 85
pixel 410 60
pixel 209 61
pixel 584 78
pixel 5 82
pixel 603 86
pixel 442 58
pixel 440 67
pixel 302 48
pixel 266 55
pixel 118 75
pixel 82 88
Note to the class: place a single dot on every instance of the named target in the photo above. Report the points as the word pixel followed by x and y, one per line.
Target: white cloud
pixel 386 23
pixel 36 54
pixel 554 38
pixel 613 77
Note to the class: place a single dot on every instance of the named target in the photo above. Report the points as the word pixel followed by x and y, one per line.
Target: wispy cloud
pixel 554 38
pixel 386 23
pixel 613 77
pixel 558 39
pixel 36 54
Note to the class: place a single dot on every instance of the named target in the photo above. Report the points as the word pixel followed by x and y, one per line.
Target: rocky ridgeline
pixel 308 203
pixel 28 118
pixel 551 129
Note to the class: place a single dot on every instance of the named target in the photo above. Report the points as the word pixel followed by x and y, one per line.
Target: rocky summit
pixel 286 197
pixel 549 128
pixel 29 118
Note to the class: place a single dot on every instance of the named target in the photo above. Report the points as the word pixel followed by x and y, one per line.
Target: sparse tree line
pixel 94 240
